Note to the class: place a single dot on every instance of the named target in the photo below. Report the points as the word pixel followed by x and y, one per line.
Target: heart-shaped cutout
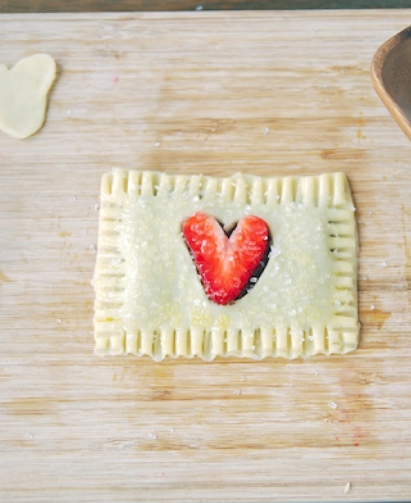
pixel 226 262
pixel 23 94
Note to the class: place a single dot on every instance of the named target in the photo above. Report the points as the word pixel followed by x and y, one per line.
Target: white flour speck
pixel 332 404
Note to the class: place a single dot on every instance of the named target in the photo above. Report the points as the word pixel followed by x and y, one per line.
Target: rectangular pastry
pixel 243 266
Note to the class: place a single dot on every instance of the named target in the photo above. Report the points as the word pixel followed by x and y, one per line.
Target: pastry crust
pixel 150 300
pixel 23 94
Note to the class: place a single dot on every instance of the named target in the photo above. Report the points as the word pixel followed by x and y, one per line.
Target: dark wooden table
pixel 173 5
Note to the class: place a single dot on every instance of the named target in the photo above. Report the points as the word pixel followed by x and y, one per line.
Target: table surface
pixel 272 93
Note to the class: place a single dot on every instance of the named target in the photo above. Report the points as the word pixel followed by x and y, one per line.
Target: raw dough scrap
pixel 150 300
pixel 23 94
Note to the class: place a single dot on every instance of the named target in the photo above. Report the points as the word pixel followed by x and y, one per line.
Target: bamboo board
pixel 271 93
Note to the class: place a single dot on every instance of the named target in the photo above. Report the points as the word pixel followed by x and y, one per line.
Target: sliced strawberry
pixel 226 264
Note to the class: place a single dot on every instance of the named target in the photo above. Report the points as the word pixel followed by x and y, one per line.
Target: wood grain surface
pixel 268 93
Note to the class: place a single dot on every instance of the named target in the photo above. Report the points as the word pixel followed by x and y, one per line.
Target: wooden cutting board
pixel 270 93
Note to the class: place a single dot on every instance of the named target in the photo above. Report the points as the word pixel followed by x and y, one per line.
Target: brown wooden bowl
pixel 391 77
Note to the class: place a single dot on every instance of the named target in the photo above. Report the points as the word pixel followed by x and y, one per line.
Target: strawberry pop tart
pixel 243 266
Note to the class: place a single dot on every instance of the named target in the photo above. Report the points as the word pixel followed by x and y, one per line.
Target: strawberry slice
pixel 226 263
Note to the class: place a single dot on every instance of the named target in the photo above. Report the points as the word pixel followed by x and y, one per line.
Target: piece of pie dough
pixel 150 300
pixel 23 94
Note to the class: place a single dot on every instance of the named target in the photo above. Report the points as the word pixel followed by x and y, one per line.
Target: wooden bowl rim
pixel 377 66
